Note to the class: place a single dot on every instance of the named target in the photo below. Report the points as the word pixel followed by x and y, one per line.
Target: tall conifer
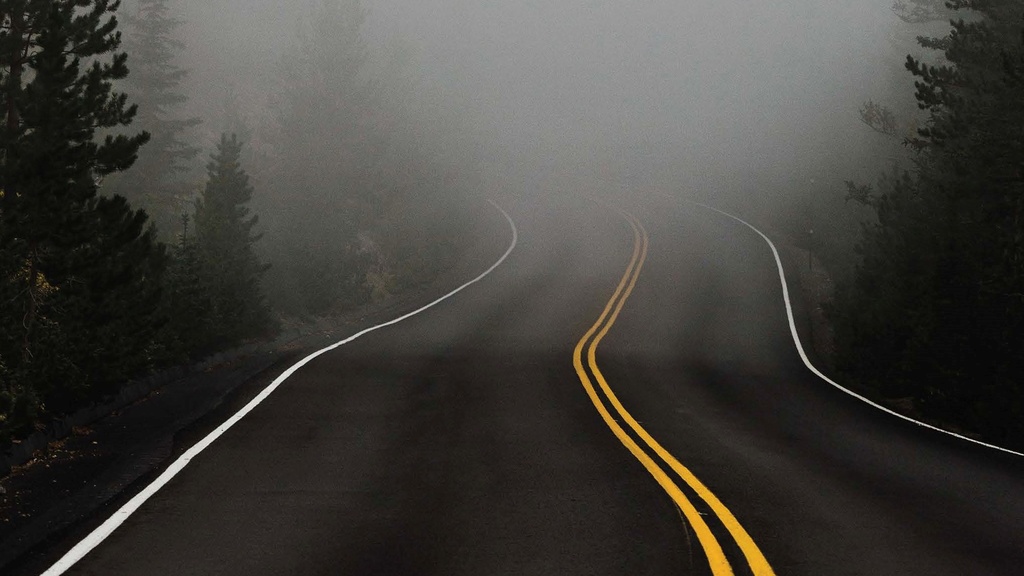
pixel 226 240
pixel 326 153
pixel 937 308
pixel 80 269
pixel 155 182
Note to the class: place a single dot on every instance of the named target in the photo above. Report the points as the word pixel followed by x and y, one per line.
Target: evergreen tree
pixel 937 310
pixel 81 271
pixel 187 306
pixel 226 246
pixel 897 114
pixel 155 181
pixel 327 150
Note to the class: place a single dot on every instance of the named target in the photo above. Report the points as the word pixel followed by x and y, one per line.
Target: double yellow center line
pixel 716 557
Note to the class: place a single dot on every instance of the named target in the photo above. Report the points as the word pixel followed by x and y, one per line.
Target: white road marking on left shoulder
pixel 107 528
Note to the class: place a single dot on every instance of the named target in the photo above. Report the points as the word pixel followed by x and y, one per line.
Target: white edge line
pixel 807 362
pixel 107 528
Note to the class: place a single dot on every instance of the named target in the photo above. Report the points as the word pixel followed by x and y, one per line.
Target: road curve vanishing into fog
pixel 620 396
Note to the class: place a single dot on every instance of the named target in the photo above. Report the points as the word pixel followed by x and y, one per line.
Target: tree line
pixel 119 256
pixel 934 310
pixel 89 296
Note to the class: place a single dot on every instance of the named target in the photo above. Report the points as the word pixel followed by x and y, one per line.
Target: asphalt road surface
pixel 478 437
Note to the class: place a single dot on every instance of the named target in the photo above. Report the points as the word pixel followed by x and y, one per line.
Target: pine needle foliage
pixel 157 181
pixel 225 243
pixel 326 153
pixel 79 273
pixel 936 312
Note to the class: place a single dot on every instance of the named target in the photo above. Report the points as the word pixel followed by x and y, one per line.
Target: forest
pixel 929 311
pixel 150 216
pixel 135 236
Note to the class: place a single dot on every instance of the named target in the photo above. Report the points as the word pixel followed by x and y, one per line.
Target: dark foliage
pixel 225 248
pixel 80 273
pixel 155 181
pixel 936 311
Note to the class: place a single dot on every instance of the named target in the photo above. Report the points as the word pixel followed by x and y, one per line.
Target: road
pixel 470 439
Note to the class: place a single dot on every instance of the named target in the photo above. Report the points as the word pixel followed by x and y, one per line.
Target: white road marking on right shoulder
pixel 107 528
pixel 807 362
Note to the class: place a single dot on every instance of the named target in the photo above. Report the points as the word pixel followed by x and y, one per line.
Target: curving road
pixel 481 437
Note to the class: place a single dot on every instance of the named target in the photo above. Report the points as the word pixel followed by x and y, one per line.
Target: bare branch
pixel 920 11
pixel 879 118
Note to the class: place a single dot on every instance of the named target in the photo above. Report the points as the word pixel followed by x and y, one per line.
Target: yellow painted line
pixel 713 550
pixel 758 563
pixel 755 559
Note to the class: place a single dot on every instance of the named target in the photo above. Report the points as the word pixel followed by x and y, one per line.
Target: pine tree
pixel 226 245
pixel 326 154
pixel 155 181
pixel 190 330
pixel 81 270
pixel 898 116
pixel 937 310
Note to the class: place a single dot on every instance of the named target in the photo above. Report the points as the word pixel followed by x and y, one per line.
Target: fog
pixel 677 94
pixel 668 94
pixel 746 105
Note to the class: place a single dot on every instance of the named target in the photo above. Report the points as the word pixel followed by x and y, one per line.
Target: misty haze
pixel 477 287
